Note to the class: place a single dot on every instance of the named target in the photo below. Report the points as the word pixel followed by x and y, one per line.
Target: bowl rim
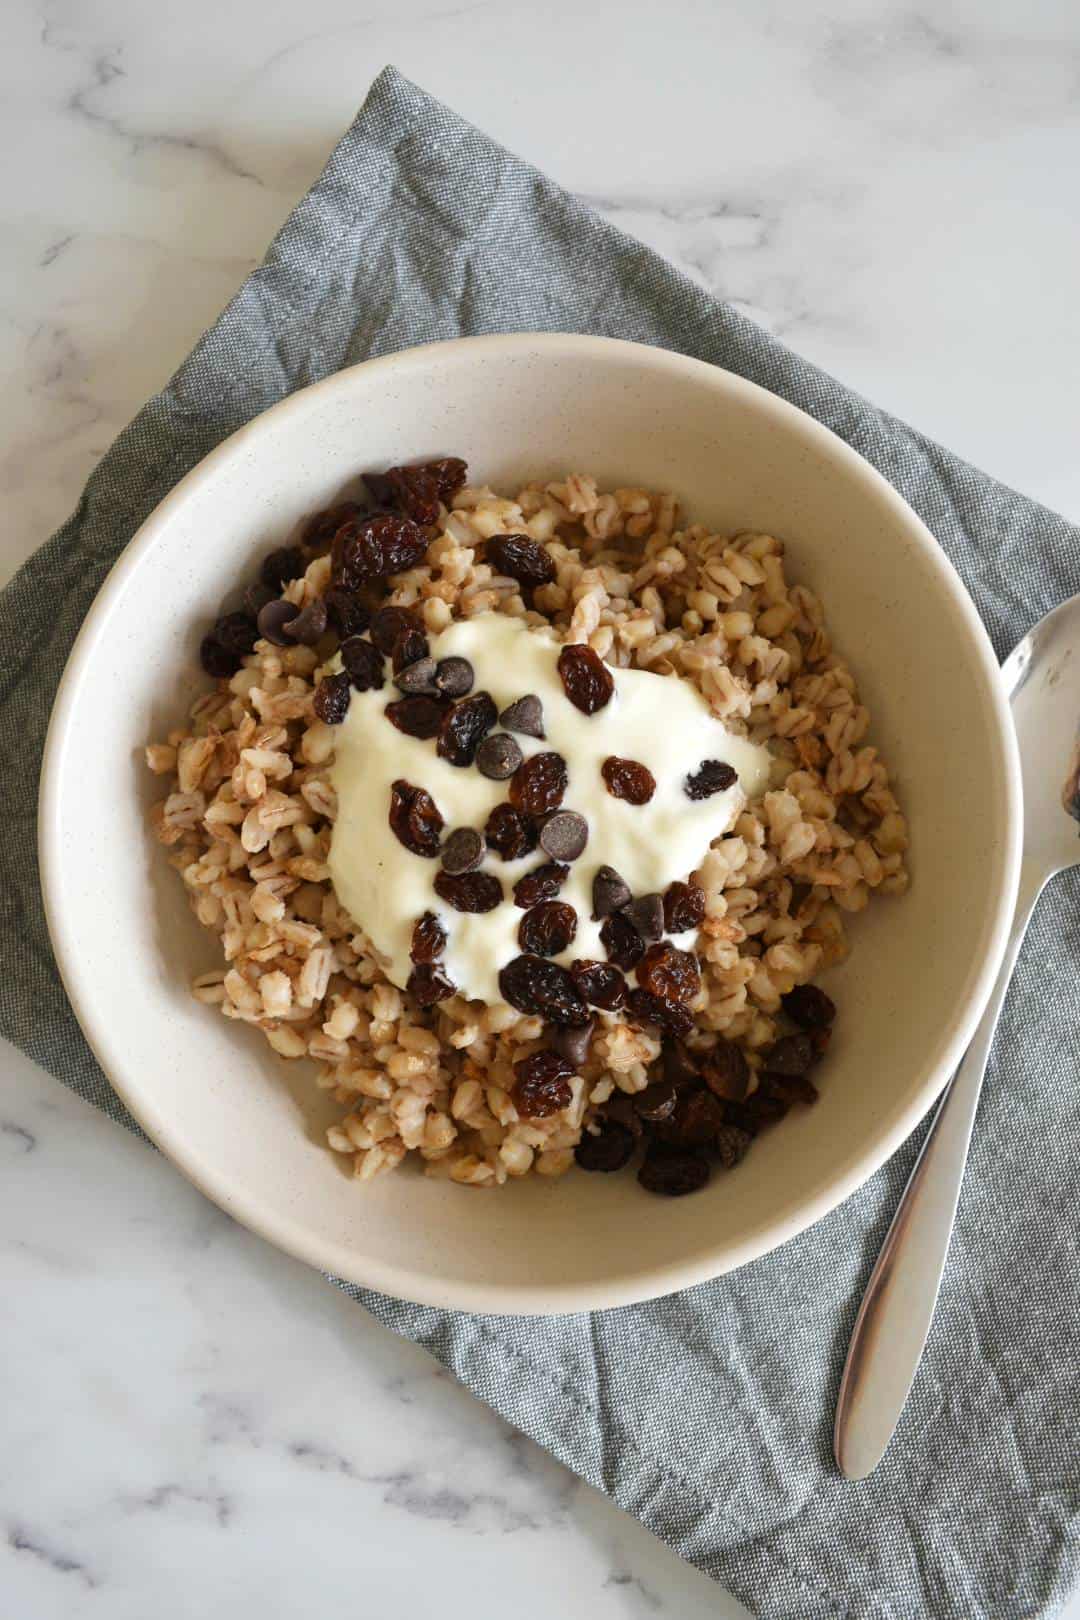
pixel 369 1271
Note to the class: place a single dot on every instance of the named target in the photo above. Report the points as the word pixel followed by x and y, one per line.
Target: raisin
pixel 601 984
pixel 534 985
pixel 237 632
pixel 469 891
pixel 819 1040
pixel 622 942
pixel 678 1066
pixel 217 660
pixel 538 785
pixel 809 1007
pixel 726 1071
pixel 416 716
pixel 321 529
pixel 346 613
pixel 792 1055
pixel 671 1172
pixel 373 547
pixel 587 681
pixel 410 646
pixel 563 835
pixel 463 725
pixel 573 1043
pixel 643 1008
pixel 610 892
pixel 609 1149
pixel 363 664
pixel 695 1121
pixel 521 558
pixel 793 1088
pixel 415 818
pixel 548 928
pixel 730 1145
pixel 449 472
pixel 542 883
pixel 628 779
pixel 713 776
pixel 273 619
pixel 620 1108
pixel 388 623
pixel 760 1110
pixel 463 851
pixel 428 939
pixel 657 1102
pixel 282 566
pixel 412 490
pixel 429 984
pixel 684 907
pixel 408 487
pixel 509 833
pixel 542 1085
pixel 331 700
pixel 256 597
pixel 667 972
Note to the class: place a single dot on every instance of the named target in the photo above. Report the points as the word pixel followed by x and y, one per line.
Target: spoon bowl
pixel 1042 677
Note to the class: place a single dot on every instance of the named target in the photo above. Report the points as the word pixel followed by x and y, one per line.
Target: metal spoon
pixel 1042 676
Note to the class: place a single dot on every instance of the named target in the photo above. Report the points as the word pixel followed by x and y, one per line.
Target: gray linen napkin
pixel 706 1414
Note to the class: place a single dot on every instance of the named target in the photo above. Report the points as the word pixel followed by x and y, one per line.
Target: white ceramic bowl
pixel 245 1126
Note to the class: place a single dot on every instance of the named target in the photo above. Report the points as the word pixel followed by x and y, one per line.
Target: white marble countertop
pixel 189 1422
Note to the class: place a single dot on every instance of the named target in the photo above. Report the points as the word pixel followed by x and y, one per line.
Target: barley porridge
pixel 531 821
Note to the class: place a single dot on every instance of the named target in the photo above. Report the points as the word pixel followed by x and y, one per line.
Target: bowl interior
pixel 247 1126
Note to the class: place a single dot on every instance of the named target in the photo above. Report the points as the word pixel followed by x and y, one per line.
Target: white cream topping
pixel 659 720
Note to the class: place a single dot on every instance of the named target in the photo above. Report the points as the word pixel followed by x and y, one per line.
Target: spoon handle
pixel 898 1306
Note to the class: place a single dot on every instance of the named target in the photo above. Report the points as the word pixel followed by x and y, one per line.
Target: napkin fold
pixel 706 1414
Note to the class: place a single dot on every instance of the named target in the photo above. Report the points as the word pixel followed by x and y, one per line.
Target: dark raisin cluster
pixel 698 1112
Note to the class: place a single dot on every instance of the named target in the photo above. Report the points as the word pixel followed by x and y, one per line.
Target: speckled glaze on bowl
pixel 245 1126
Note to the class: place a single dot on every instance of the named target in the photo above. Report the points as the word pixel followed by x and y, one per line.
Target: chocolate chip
pixel 309 625
pixel 525 716
pixel 498 756
pixel 647 916
pixel 609 892
pixel 454 677
pixel 657 1101
pixel 417 679
pixel 463 851
pixel 573 1044
pixel 274 617
pixel 563 835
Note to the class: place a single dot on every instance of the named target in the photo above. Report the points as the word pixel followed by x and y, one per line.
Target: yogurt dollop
pixel 659 720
